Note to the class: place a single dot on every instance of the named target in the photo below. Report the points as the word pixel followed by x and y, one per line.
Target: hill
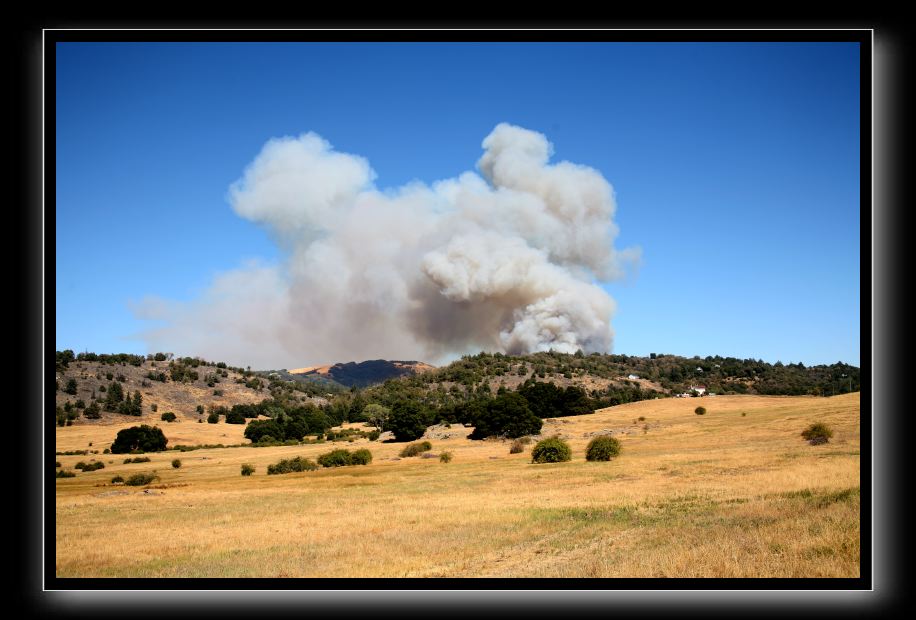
pixel 189 387
pixel 362 374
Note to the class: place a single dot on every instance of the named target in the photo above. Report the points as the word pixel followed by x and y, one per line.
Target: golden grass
pixel 719 495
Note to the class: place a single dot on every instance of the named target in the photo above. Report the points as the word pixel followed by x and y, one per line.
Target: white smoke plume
pixel 508 261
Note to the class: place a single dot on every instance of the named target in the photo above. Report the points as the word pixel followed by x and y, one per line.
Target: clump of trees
pixel 168 416
pixel 288 424
pixel 143 438
pixel 507 415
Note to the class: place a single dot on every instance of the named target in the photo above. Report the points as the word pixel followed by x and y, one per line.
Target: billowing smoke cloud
pixel 507 261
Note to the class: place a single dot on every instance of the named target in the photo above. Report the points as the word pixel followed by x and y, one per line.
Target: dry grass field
pixel 733 493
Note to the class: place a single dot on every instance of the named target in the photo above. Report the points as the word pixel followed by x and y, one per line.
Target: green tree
pixel 507 415
pixel 376 415
pixel 144 438
pixel 408 421
pixel 114 396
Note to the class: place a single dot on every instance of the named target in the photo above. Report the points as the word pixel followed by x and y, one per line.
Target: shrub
pixel 92 412
pixel 168 416
pixel 519 445
pixel 154 407
pixel 235 417
pixel 602 448
pixel 335 458
pixel 287 466
pixel 106 451
pixel 413 449
pixel 361 457
pixel 247 469
pixel 138 480
pixel 551 450
pixel 144 438
pixel 65 474
pixel 138 459
pixel 217 392
pixel 445 457
pixel 93 466
pixel 117 480
pixel 213 418
pixel 817 433
pixel 57 464
pixel 700 410
pixel 176 463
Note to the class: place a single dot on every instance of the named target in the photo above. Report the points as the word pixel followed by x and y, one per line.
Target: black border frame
pixel 48 583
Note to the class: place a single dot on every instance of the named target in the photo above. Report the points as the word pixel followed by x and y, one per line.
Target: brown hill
pixel 362 374
pixel 178 396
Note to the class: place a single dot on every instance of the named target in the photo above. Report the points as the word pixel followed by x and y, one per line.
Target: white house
pixel 632 377
pixel 699 389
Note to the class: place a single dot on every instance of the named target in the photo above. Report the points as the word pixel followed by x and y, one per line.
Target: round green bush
pixel 817 433
pixel 247 469
pixel 138 480
pixel 445 457
pixel 413 449
pixel 602 448
pixel 551 450
pixel 361 457
pixel 168 416
pixel 176 463
pixel 700 410
pixel 117 480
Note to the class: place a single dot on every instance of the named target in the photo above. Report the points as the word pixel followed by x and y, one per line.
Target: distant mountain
pixel 362 374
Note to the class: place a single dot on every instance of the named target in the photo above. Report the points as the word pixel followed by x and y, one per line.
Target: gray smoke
pixel 508 261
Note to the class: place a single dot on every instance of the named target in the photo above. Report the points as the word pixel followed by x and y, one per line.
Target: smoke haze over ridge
pixel 506 260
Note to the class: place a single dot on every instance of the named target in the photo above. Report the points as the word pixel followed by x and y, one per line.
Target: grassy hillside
pixel 733 493
pixel 176 385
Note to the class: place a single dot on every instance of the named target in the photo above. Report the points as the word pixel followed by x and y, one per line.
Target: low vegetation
pixel 137 459
pixel 602 448
pixel 287 466
pixel 551 450
pixel 342 457
pixel 818 433
pixel 141 479
pixel 413 449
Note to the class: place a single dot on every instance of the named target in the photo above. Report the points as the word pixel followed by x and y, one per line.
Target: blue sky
pixel 735 166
